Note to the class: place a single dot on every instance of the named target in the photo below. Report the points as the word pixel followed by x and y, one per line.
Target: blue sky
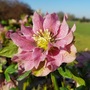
pixel 79 8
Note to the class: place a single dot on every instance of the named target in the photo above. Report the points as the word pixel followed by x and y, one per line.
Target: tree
pixel 13 9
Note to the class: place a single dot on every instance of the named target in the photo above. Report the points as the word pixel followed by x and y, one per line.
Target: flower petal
pixel 69 55
pixel 22 42
pixel 28 65
pixel 26 31
pixel 38 56
pixel 73 28
pixel 42 70
pixel 24 60
pixel 65 41
pixel 37 22
pixel 51 23
pixel 58 59
pixel 63 30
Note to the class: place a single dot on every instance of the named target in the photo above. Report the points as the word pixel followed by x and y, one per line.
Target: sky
pixel 79 8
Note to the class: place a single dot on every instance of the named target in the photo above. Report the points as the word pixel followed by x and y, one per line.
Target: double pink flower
pixel 44 46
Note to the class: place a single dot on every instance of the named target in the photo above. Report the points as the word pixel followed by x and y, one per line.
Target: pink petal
pixel 73 28
pixel 51 23
pixel 28 65
pixel 26 31
pixel 24 60
pixel 65 41
pixel 58 59
pixel 68 38
pixel 37 22
pixel 63 29
pixel 38 56
pixel 24 55
pixel 69 55
pixel 22 42
pixel 51 63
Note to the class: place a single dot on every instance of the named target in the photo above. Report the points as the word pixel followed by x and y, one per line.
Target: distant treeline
pixel 13 9
pixel 72 17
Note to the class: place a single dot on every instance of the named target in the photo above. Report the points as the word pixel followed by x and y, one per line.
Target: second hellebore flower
pixel 45 46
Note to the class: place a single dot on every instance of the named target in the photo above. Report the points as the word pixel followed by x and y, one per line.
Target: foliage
pixel 67 77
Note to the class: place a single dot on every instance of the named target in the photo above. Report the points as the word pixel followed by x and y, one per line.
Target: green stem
pixel 54 82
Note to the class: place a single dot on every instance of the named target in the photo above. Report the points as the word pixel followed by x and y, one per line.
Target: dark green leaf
pixel 81 88
pixel 23 76
pixel 63 88
pixel 54 81
pixel 14 89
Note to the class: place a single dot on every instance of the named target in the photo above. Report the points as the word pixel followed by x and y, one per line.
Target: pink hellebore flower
pixel 45 46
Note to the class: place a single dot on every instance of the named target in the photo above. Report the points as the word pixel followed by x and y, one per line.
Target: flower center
pixel 42 39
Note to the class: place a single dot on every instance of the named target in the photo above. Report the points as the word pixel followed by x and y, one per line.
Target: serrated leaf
pixel 23 76
pixel 9 49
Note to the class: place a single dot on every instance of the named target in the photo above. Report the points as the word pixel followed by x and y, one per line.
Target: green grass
pixel 82 35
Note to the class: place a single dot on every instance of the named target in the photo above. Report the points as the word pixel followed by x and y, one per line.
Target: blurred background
pixel 77 10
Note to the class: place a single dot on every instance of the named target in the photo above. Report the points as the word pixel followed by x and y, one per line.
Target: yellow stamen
pixel 42 39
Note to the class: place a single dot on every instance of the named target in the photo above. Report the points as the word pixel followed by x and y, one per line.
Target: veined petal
pixel 69 54
pixel 51 63
pixel 22 42
pixel 58 59
pixel 37 22
pixel 25 60
pixel 51 23
pixel 24 55
pixel 26 31
pixel 63 30
pixel 38 56
pixel 41 70
pixel 28 65
pixel 65 41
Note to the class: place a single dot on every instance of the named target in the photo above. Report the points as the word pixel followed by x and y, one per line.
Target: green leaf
pixel 9 49
pixel 14 89
pixel 63 88
pixel 11 69
pixel 68 74
pixel 7 77
pixel 81 88
pixel 23 76
pixel 79 80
